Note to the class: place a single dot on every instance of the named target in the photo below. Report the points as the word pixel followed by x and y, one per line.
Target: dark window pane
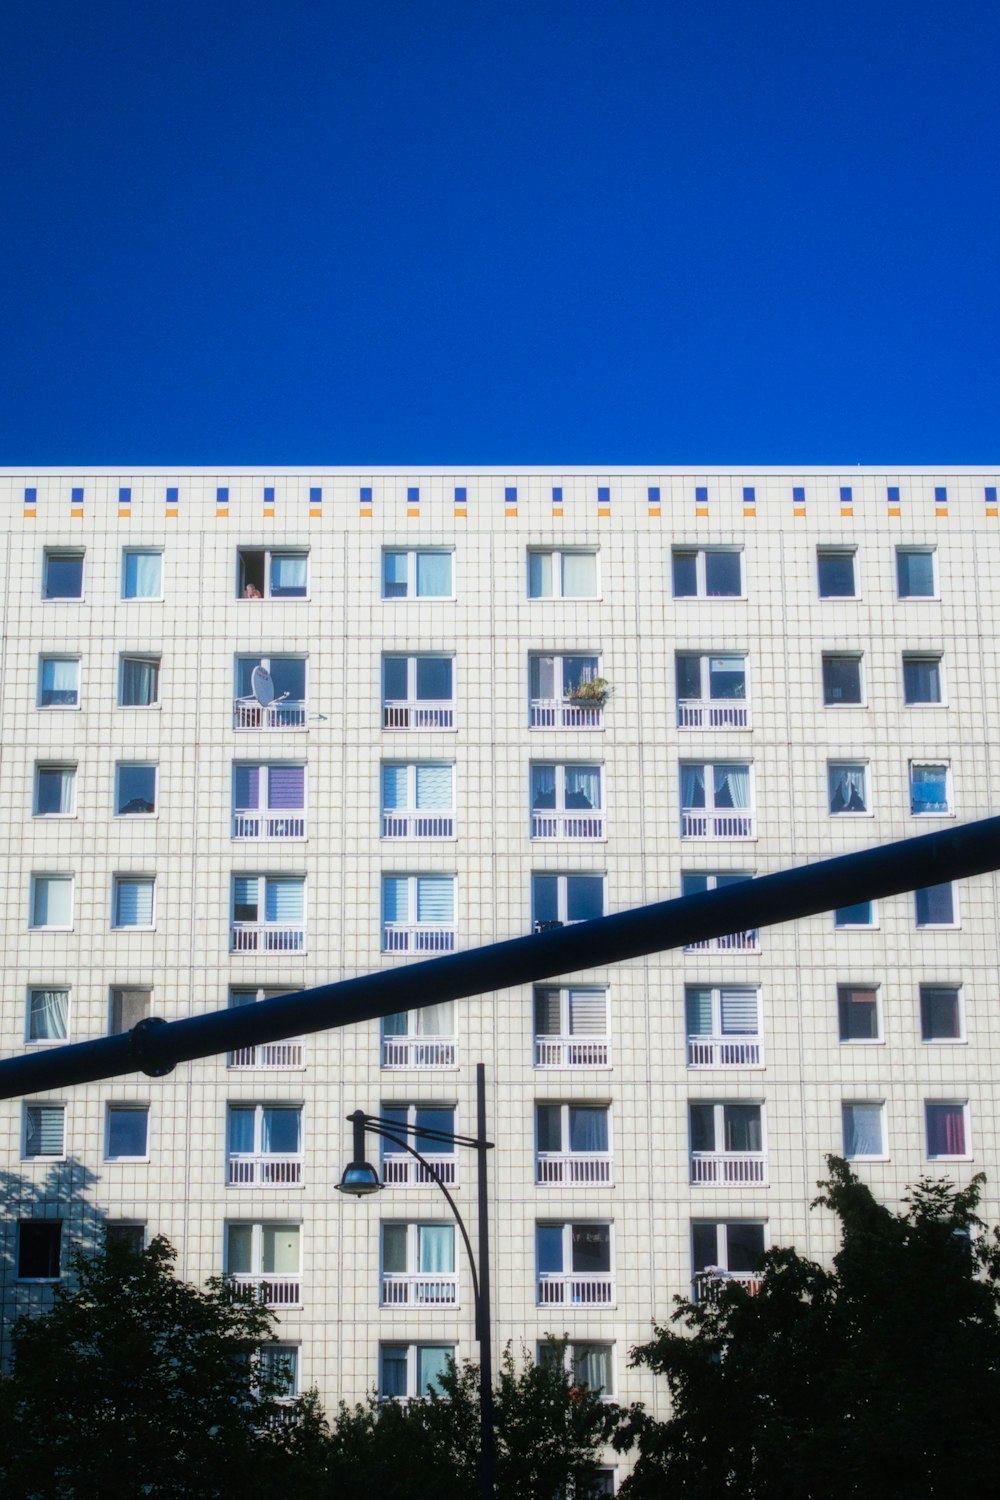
pixel 136 789
pixel 550 1247
pixel 394 678
pixel 915 573
pixel 38 1245
pixel 939 1018
pixel 591 1247
pixel 434 678
pixel 702 1127
pixel 745 1244
pixel 859 915
pixel 922 679
pixel 722 574
pixel 841 679
pixel 64 576
pixel 689 676
pixel 858 1010
pixel 584 897
pixel 836 575
pixel 685 575
pixel 704 1245
pixel 935 906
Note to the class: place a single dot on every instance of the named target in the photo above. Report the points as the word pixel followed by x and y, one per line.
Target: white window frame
pixel 51 875
pixel 701 586
pixel 411 554
pixel 146 765
pixel 943 765
pixel 931 551
pixel 849 765
pixel 263 811
pixel 878 1039
pixel 558 572
pixel 443 1158
pixel 261 923
pixel 884 1154
pixel 918 656
pixel 823 552
pixel 963 1105
pixel 63 708
pixel 121 1106
pixel 565 1107
pixel 257 1277
pixel 722 1241
pixel 562 894
pixel 274 1352
pixel 49 553
pixel 148 658
pixel 413 921
pixel 956 916
pixel 136 551
pixel 113 992
pixel 47 1041
pixel 560 813
pixel 39 1280
pixel 420 1049
pixel 862 700
pixel 571 1359
pixel 53 765
pixel 411 812
pixel 443 1278
pixel 708 770
pixel 39 1156
pixel 733 1040
pixel 258 1154
pixel 411 700
pixel 943 1041
pixel 412 1348
pixel 857 926
pixel 116 882
pixel 558 1051
pixel 705 696
pixel 719 1107
pixel 268 554
pixel 566 1268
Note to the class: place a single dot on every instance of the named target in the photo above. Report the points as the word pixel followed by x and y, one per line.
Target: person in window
pixel 252 592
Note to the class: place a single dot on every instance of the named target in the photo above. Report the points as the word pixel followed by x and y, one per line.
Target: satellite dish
pixel 261 686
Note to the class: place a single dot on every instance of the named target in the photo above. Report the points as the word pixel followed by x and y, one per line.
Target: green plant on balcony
pixel 594 692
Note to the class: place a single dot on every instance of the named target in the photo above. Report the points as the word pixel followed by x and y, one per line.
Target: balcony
pixel 725 1052
pixel 406 1171
pixel 563 713
pixel 573 1169
pixel 728 1168
pixel 274 1055
pixel 417 937
pixel 418 1052
pixel 272 1291
pixel 707 1285
pixel 566 825
pixel 572 1052
pixel 566 1289
pixel 249 714
pixel 406 1290
pixel 733 942
pixel 418 713
pixel 704 823
pixel 418 825
pixel 713 713
pixel 269 825
pixel 265 1171
pixel 267 937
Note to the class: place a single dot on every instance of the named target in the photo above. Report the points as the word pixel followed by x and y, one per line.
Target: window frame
pixel 269 554
pixel 716 989
pixel 722 1244
pixel 701 583
pixel 571 1359
pixel 113 1233
pixel 257 1227
pixel 849 765
pixel 261 921
pixel 565 1108
pixel 413 1227
pixel 857 926
pixel 926 656
pixel 42 1156
pixel 137 551
pixel 137 765
pixel 584 1221
pixel 961 1104
pixel 959 1039
pixel 412 1348
pixel 122 1107
pixel 719 1107
pixel 117 881
pixel 956 920
pixel 412 573
pixel 561 553
pixel 705 659
pixel 54 656
pixel 146 659
pixel 42 766
pixel 843 989
pixel 412 658
pixel 825 553
pixel 943 765
pixel 36 876
pixel 880 1105
pixel 844 656
pixel 51 554
pixel 264 768
pixel 909 549
pixel 115 991
pixel 57 1226
pixel 47 1041
pixel 562 894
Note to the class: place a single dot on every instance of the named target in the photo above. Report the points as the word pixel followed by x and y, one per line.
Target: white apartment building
pixel 801 663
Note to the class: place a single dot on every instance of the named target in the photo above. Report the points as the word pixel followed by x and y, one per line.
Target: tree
pixel 549 1434
pixel 138 1384
pixel 880 1378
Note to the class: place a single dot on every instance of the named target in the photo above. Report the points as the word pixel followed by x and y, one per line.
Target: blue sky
pixel 499 231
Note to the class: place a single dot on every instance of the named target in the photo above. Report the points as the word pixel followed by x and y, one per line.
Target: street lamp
pixel 361 1179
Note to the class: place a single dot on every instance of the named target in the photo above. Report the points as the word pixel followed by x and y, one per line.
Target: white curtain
pixel 53 903
pixel 437 1248
pixel 140 680
pixel 583 787
pixel 588 1129
pixel 142 575
pixel 434 575
pixel 543 787
pixel 862 1130
pixel 847 789
pixel 540 575
pixel 579 575
pixel 732 786
pixel 49 1015
pixel 436 1020
pixel 288 574
pixel 692 786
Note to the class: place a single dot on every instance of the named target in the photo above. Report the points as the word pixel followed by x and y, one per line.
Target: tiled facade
pixel 757 770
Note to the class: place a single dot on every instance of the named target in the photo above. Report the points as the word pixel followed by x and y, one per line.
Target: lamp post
pixel 361 1179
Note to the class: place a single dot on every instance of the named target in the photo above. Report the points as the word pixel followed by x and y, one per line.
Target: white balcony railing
pixel 418 1052
pixel 273 1291
pixel 566 1289
pixel 267 937
pixel 563 713
pixel 249 714
pixel 728 1168
pixel 725 1052
pixel 572 1051
pixel 572 1169
pixel 567 825
pixel 701 824
pixel 265 1171
pixel 405 1290
pixel 418 825
pixel 707 1285
pixel 268 1055
pixel 418 713
pixel 269 825
pixel 712 713
pixel 733 942
pixel 406 1171
pixel 417 937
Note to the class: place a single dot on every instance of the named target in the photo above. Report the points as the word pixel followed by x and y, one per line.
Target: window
pixel 711 692
pixel 407 1371
pixel 864 1131
pixel 727 1144
pixel 52 901
pixel 123 1235
pixel 418 913
pixel 729 1251
pixel 559 899
pixel 417 574
pixel 571 1027
pixel 930 788
pixel 139 682
pixel 44 1131
pixel 421 1125
pixel 858 1013
pixel 558 692
pixel 286 1053
pixel 566 802
pixel 947 1131
pixel 39 1244
pixel 693 883
pixel 269 801
pixel 55 791
pixel 861 914
pixel 62 575
pixel 941 1013
pixel 586 1364
pixel 842 681
pixel 847 784
pixel 287 709
pixel 269 913
pixel 267 1259
pixel 48 1015
pixel 129 1006
pixel 418 692
pixel 418 1265
pixel 915 573
pixel 279 1370
pixel 837 572
pixel 723 1026
pixel 935 906
pixel 573 1144
pixel 135 789
pixel 127 1132
pixel 574 1265
pixel 263 574
pixel 264 1145
pixel 142 573
pixel 59 682
pixel 422 1038
pixel 707 573
pixel 562 575
pixel 133 901
pixel 717 801
pixel 418 800
pixel 922 680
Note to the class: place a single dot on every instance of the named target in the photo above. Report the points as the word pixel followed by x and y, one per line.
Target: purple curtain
pixel 286 787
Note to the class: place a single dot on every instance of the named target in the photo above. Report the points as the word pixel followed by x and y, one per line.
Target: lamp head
pixel 359 1180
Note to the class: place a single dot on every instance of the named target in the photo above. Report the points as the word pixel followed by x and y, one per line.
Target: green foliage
pixel 878 1380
